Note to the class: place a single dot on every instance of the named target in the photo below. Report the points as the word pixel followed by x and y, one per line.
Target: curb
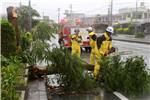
pixel 120 96
pixel 133 41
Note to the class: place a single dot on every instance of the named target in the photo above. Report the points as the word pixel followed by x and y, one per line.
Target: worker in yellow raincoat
pixel 94 50
pixel 76 40
pixel 104 46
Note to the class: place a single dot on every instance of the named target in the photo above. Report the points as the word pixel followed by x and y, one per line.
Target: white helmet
pixel 90 29
pixel 110 29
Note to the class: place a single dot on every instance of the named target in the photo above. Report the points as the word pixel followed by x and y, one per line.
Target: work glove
pixel 112 50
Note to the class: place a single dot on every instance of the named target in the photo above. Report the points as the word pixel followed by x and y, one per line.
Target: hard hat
pixel 90 29
pixel 110 29
pixel 76 30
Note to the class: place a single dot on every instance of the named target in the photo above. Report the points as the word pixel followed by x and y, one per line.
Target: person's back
pixel 104 43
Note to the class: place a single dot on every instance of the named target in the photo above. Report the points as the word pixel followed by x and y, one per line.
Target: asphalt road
pixel 136 49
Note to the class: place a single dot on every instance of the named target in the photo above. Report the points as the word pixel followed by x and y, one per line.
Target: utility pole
pixel 30 17
pixel 111 11
pixel 148 15
pixel 43 14
pixel 58 15
pixel 135 29
pixel 20 3
pixel 70 11
pixel 136 11
pixel 109 15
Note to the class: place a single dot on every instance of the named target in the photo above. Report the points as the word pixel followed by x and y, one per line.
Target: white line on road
pixel 120 96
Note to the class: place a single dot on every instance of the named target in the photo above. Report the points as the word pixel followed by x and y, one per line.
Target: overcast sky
pixel 89 7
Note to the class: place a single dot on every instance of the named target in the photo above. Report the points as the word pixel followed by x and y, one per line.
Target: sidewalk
pixel 37 90
pixel 131 38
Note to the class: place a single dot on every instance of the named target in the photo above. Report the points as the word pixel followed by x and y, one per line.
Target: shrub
pixel 26 41
pixel 9 74
pixel 8 39
pixel 139 35
pixel 126 31
pixel 39 51
pixel 135 75
pixel 129 29
pixel 111 71
pixel 70 70
pixel 129 77
pixel 119 30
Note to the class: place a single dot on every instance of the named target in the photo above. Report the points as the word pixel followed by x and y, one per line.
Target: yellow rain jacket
pixel 76 40
pixel 104 44
pixel 94 49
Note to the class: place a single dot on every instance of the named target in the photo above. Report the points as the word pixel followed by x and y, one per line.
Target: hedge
pixel 8 39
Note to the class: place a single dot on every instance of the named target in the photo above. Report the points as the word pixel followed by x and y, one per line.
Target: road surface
pixel 136 48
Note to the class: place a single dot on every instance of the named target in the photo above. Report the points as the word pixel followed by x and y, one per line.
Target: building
pixel 141 14
pixel 88 21
pixel 46 18
pixel 126 15
pixel 72 15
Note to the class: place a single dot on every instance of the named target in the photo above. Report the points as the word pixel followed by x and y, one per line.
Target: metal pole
pixel 135 19
pixel 58 14
pixel 43 14
pixel 70 10
pixel 20 3
pixel 111 11
pixel 148 15
pixel 136 11
pixel 30 17
pixel 109 15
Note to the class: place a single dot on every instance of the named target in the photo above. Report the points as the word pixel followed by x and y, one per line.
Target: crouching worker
pixel 104 46
pixel 76 39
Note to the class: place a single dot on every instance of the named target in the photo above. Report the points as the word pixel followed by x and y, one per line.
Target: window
pixel 145 15
pixel 129 15
pixel 139 16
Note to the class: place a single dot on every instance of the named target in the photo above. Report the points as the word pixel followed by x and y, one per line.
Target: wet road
pixel 136 48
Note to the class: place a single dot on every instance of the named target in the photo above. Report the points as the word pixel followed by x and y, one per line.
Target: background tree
pixel 23 17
